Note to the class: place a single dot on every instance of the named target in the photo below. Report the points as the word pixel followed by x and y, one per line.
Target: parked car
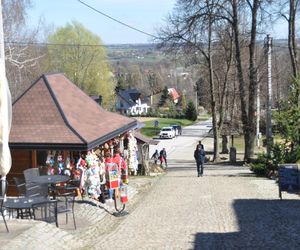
pixel 177 129
pixel 167 132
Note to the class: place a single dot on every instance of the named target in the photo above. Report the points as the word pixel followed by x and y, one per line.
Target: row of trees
pixel 221 37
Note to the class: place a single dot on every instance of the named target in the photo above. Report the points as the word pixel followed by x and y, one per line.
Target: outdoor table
pixel 50 179
pixel 23 203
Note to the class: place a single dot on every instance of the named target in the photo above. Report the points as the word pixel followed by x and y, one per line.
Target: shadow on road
pixel 263 224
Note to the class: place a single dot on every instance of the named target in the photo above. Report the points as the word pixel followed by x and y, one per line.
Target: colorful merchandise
pixel 112 175
pixel 132 154
pixel 124 194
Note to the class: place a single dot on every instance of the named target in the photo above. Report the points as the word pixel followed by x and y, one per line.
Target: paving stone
pixel 227 208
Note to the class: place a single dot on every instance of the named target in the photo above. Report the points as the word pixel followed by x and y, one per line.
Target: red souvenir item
pixel 112 175
pixel 124 194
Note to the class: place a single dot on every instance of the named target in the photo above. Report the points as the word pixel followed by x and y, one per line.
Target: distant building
pixel 156 96
pixel 174 94
pixel 131 102
pixel 97 99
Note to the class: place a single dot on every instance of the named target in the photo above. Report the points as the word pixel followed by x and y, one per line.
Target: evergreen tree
pixel 164 96
pixel 191 113
pixel 183 101
pixel 121 85
pixel 287 121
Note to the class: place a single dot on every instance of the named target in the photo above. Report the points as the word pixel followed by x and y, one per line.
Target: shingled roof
pixel 55 114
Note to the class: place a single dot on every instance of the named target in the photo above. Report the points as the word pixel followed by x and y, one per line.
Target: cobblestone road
pixel 227 208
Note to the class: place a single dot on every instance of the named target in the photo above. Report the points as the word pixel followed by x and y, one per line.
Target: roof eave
pixel 71 146
pixel 111 135
pixel 48 146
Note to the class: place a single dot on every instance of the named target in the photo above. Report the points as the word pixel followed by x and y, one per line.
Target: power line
pixel 116 20
pixel 55 44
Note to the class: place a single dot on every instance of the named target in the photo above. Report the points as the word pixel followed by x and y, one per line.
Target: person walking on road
pixel 155 156
pixel 163 157
pixel 201 145
pixel 199 155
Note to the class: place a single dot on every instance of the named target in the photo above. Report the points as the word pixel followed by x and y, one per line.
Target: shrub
pixel 258 168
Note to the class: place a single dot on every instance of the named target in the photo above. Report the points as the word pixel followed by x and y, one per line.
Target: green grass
pixel 150 131
pixel 203 117
pixel 238 143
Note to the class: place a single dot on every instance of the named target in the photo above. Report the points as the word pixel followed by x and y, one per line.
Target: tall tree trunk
pixel 250 133
pixel 212 94
pixel 242 85
pixel 291 36
pixel 224 93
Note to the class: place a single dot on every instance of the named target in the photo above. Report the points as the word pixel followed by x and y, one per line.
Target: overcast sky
pixel 145 15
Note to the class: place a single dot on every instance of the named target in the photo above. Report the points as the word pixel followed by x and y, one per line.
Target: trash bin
pixel 232 154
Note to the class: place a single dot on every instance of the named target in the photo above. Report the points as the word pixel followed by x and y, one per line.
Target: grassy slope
pixel 150 131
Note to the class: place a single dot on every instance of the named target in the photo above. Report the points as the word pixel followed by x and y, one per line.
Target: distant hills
pixel 134 52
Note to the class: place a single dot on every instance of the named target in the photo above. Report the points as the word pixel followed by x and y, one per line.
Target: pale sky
pixel 145 15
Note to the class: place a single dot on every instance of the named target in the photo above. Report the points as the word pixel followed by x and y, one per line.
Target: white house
pixel 130 102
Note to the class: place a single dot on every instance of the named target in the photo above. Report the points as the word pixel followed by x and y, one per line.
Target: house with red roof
pixel 174 94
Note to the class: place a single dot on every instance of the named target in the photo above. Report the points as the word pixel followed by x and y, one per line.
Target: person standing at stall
pixel 119 160
pixel 199 155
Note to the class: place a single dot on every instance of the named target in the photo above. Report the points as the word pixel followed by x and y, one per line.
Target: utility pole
pixel 258 112
pixel 196 101
pixel 269 140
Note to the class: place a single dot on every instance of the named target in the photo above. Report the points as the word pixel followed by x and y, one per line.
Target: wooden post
pixel 33 159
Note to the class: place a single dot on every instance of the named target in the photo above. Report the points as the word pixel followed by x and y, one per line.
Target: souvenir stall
pixel 54 122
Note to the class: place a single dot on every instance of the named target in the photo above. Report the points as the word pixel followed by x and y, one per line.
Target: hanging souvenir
pixel 132 148
pixel 60 164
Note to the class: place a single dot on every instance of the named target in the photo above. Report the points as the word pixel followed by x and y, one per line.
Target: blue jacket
pixel 199 155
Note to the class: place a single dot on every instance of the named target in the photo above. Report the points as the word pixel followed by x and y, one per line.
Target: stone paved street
pixel 227 208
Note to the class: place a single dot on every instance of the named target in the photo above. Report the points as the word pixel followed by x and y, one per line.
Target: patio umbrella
pixel 5 110
pixel 5 124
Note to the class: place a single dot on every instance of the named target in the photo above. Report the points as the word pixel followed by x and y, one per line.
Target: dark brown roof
pixel 144 139
pixel 55 114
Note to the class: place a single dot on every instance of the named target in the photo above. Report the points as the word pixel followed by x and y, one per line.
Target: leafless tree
pixel 289 10
pixel 23 56
pixel 251 14
pixel 192 29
